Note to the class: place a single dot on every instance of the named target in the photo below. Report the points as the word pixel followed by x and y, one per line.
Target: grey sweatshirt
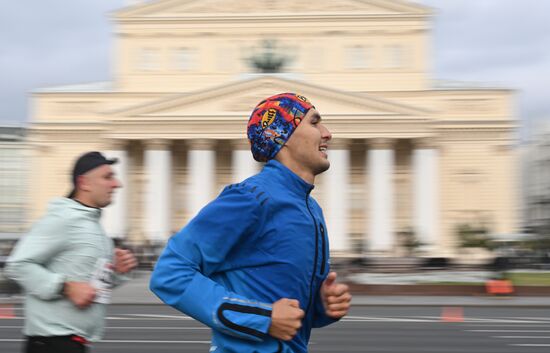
pixel 65 245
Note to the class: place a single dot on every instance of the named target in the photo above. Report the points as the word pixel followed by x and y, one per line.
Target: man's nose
pixel 326 133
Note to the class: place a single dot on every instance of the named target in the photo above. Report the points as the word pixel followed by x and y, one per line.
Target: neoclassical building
pixel 409 153
pixel 536 181
pixel 13 182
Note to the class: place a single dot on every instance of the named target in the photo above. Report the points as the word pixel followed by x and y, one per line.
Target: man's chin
pixel 105 204
pixel 323 167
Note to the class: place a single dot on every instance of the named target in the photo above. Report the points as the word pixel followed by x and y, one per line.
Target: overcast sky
pixel 56 42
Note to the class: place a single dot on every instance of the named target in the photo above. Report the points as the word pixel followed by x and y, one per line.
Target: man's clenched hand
pixel 81 294
pixel 286 319
pixel 336 297
pixel 125 261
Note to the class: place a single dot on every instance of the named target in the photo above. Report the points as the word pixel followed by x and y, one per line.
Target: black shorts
pixel 55 344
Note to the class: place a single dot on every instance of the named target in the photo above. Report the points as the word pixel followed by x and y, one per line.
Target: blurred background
pixel 440 158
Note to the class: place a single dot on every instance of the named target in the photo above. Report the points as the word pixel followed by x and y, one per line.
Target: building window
pixel 186 59
pixel 148 59
pixel 395 56
pixel 358 57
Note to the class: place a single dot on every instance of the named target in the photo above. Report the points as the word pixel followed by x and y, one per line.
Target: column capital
pixel 201 144
pixel 381 143
pixel 339 144
pixel 424 143
pixel 240 144
pixel 157 144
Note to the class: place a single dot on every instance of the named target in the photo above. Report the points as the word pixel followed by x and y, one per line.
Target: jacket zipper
pixel 316 255
pixel 323 248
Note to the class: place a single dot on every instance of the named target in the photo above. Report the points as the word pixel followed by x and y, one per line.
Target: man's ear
pixel 82 183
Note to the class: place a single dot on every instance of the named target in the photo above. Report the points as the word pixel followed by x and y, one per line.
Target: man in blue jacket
pixel 254 263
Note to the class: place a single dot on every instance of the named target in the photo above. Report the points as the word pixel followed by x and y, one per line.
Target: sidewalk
pixel 136 292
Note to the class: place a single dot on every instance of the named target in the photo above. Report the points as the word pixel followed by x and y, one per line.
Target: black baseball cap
pixel 87 162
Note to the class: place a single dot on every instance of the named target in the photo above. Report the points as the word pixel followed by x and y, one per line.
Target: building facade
pixel 13 182
pixel 536 182
pixel 409 152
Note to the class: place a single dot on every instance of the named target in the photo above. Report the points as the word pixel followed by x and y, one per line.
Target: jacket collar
pixel 92 212
pixel 284 176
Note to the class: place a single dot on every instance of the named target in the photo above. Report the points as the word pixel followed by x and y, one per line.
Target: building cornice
pixel 272 19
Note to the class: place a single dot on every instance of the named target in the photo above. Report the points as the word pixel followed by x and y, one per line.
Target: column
pixel 115 216
pixel 381 160
pixel 158 182
pixel 243 164
pixel 202 173
pixel 425 195
pixel 337 201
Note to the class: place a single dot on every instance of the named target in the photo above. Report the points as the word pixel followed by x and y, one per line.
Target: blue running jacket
pixel 259 241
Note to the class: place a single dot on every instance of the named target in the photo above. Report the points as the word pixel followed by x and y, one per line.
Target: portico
pixel 208 163
pixel 410 155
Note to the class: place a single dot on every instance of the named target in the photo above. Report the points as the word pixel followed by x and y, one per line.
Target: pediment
pixel 237 99
pixel 193 8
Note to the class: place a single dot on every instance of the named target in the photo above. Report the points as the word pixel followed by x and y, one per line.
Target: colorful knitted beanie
pixel 273 121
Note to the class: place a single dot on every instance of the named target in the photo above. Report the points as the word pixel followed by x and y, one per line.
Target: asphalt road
pixel 159 329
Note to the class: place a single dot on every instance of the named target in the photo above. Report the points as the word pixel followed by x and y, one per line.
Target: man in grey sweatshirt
pixel 67 265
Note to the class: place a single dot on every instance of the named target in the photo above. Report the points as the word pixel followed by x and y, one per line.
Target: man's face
pixel 100 184
pixel 307 146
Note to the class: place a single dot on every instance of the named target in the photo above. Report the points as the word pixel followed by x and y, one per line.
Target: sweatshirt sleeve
pixel 120 279
pixel 27 263
pixel 182 274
